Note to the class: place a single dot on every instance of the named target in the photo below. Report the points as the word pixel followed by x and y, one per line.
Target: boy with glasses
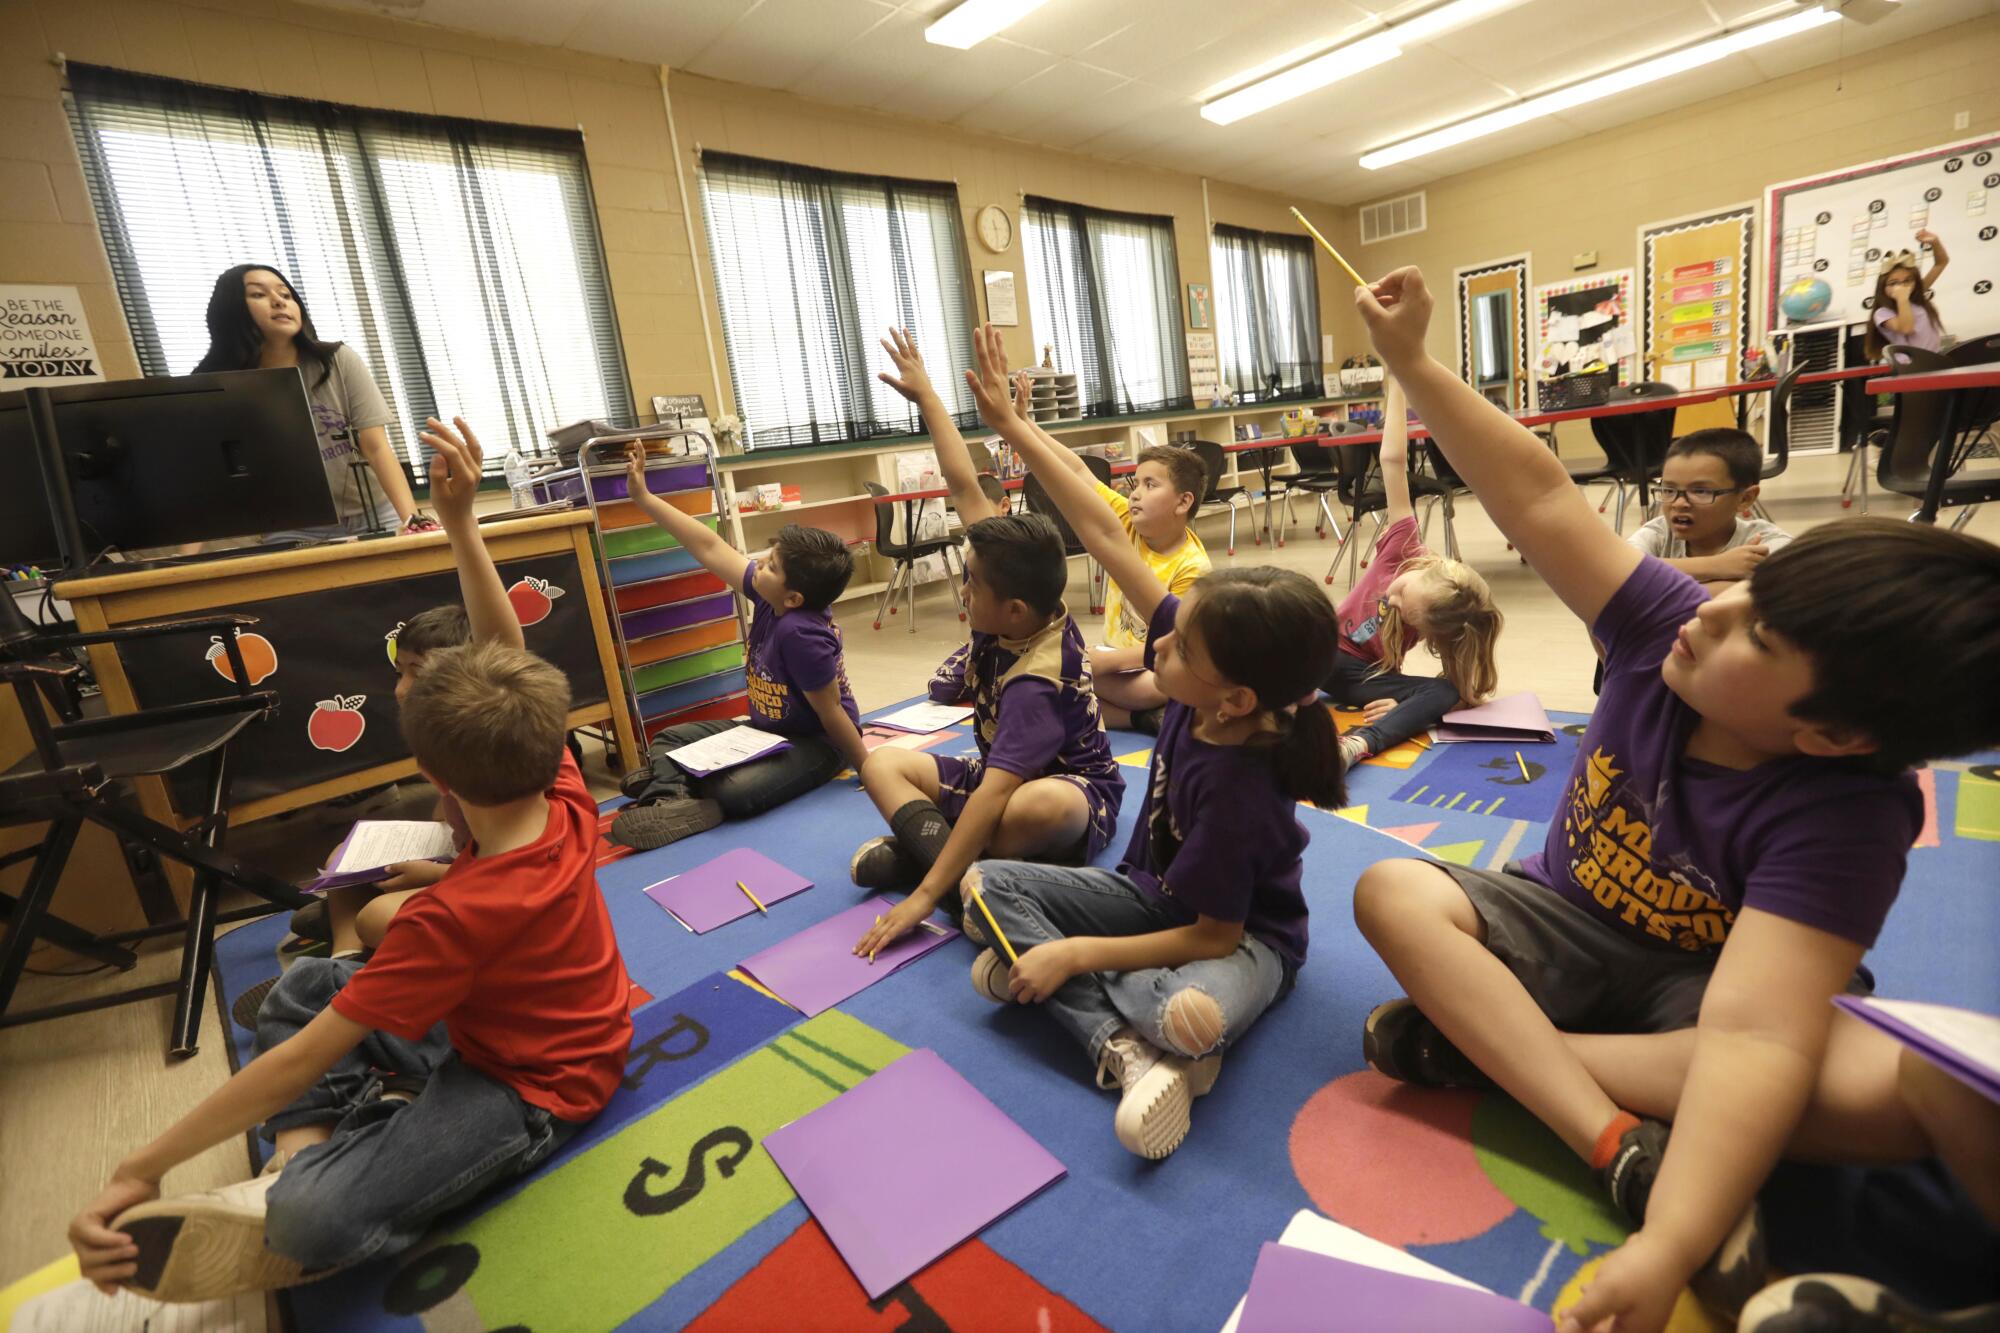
pixel 1706 489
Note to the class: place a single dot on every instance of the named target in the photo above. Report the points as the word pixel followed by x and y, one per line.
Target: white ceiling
pixel 1121 79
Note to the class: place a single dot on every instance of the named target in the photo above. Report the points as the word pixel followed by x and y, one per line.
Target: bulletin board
pixel 1838 226
pixel 1694 273
pixel 1583 321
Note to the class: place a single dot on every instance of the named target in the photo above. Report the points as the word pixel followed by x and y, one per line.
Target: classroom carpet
pixel 666 1212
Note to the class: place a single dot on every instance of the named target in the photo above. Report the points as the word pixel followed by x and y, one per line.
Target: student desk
pixel 1958 385
pixel 325 642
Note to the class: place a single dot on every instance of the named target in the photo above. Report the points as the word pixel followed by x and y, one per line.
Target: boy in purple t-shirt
pixel 1044 785
pixel 1733 833
pixel 797 683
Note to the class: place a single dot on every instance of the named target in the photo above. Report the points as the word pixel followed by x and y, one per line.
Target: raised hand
pixel 1397 311
pixel 989 382
pixel 455 466
pixel 911 379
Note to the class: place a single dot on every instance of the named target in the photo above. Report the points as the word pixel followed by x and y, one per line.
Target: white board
pixel 1837 226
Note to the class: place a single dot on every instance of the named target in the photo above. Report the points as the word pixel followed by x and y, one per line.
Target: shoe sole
pixel 1155 1129
pixel 983 969
pixel 868 876
pixel 250 1002
pixel 1375 1041
pixel 648 827
pixel 202 1252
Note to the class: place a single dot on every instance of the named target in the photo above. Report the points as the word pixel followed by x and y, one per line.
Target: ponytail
pixel 1273 632
pixel 1306 756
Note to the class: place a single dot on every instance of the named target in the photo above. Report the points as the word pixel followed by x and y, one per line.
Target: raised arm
pixel 455 467
pixel 1074 492
pixel 717 556
pixel 1395 453
pixel 1023 400
pixel 1939 259
pixel 913 381
pixel 1523 486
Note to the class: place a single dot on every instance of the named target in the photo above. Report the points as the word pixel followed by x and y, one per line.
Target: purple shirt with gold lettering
pixel 1667 850
pixel 789 654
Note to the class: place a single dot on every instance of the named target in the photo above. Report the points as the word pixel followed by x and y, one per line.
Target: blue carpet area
pixel 1466 1182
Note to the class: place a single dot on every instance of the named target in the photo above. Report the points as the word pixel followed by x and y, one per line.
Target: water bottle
pixel 516 470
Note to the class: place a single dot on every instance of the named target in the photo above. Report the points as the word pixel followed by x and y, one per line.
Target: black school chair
pixel 79 770
pixel 1920 432
pixel 1638 440
pixel 1215 459
pixel 1038 502
pixel 1778 434
pixel 907 551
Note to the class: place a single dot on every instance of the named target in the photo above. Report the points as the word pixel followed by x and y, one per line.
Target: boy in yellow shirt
pixel 1166 491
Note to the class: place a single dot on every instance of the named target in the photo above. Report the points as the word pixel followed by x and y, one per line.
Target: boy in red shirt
pixel 489 1026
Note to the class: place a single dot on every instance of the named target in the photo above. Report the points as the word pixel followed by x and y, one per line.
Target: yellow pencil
pixel 1359 281
pixel 752 897
pixel 1524 766
pixel 980 902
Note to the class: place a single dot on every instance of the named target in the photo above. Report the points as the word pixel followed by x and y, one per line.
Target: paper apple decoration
pixel 532 599
pixel 260 659
pixel 336 723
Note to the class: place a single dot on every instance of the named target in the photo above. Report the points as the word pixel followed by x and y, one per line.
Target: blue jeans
pixel 745 790
pixel 1421 701
pixel 1035 903
pixel 372 1190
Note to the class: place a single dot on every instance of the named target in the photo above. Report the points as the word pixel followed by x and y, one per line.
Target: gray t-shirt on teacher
pixel 1654 537
pixel 344 404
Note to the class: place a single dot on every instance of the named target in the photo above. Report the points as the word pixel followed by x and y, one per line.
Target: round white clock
pixel 996 229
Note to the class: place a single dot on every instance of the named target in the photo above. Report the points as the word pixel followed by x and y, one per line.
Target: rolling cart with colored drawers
pixel 678 631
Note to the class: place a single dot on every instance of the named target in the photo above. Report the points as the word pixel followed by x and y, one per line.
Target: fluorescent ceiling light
pixel 1261 88
pixel 976 20
pixel 1604 85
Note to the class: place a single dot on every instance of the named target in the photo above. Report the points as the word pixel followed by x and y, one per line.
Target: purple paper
pixel 706 896
pixel 1293 1291
pixel 869 1166
pixel 817 968
pixel 1518 718
pixel 1974 1073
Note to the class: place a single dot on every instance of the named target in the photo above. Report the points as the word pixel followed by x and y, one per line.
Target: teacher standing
pixel 256 320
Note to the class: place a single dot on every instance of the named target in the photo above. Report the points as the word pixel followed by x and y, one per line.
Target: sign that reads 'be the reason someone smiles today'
pixel 44 338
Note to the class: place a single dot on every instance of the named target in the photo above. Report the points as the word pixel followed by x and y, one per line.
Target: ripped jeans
pixel 1035 903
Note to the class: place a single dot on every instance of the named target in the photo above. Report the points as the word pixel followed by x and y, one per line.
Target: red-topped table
pixel 1957 383
pixel 1011 484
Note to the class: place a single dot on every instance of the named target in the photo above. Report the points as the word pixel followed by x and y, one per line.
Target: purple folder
pixel 706 896
pixel 1517 719
pixel 871 1166
pixel 817 968
pixel 1297 1291
pixel 1972 1070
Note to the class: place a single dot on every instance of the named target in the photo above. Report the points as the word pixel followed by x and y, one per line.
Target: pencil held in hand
pixel 1359 281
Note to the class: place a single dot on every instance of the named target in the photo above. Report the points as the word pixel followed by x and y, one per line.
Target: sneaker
pixel 1740 1266
pixel 203 1247
pixel 1398 1041
pixel 295 946
pixel 1838 1303
pixel 247 1005
pixel 989 977
pixel 1152 1117
pixel 880 864
pixel 1352 750
pixel 310 922
pixel 644 827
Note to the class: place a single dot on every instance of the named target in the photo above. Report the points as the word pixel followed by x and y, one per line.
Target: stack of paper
pixel 373 845
pixel 727 749
pixel 924 717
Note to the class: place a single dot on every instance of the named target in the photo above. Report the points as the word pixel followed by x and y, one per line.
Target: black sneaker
pixel 880 864
pixel 1398 1041
pixel 1838 1303
pixel 644 827
pixel 1740 1266
pixel 310 922
pixel 244 1011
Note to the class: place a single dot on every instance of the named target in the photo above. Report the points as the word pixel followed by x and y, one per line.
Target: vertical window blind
pixel 1266 314
pixel 1104 295
pixel 812 267
pixel 459 258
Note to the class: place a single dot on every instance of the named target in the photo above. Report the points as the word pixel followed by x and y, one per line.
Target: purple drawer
pixel 660 619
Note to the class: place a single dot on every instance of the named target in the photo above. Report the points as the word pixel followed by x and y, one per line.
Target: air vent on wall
pixel 1401 216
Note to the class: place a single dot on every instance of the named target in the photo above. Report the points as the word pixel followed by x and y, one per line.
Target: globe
pixel 1805 299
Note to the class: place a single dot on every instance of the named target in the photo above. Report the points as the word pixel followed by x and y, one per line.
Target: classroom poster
pixel 1694 277
pixel 1585 323
pixel 44 337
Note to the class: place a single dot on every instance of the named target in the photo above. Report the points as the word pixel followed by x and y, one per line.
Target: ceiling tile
pixel 780 40
pixel 659 34
pixel 1040 98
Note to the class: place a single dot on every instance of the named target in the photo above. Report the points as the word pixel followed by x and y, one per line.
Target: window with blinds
pixel 459 258
pixel 1266 314
pixel 812 268
pixel 1104 296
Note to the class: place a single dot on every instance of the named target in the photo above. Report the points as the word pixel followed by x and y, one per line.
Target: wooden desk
pixel 328 616
pixel 1957 383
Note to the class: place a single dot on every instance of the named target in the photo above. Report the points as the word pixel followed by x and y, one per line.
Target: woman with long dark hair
pixel 1902 311
pixel 256 320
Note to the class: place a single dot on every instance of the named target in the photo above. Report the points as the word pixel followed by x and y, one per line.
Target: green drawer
pixel 646 537
pixel 677 669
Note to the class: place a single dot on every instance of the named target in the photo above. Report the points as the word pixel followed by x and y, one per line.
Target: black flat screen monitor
pixel 165 462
